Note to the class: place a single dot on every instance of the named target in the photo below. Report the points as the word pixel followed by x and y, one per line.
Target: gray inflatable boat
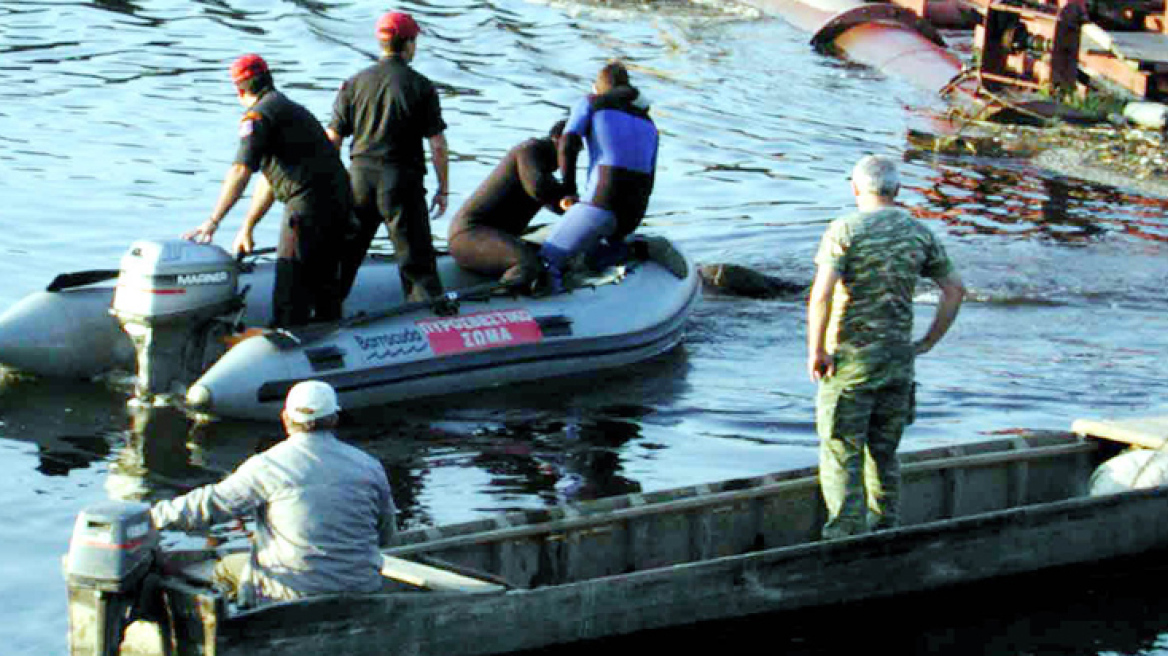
pixel 189 320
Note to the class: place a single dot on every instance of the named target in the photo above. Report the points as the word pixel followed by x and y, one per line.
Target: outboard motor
pixel 113 548
pixel 173 299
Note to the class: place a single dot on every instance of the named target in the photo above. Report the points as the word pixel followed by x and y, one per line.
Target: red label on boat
pixel 480 331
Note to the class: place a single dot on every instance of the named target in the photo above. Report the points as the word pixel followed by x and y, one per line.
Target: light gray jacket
pixel 322 509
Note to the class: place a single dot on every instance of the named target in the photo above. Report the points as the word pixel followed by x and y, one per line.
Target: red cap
pixel 247 67
pixel 397 23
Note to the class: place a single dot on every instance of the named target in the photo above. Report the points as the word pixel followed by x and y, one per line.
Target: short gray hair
pixel 876 174
pixel 327 422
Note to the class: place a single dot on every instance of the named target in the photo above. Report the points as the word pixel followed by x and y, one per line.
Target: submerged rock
pixel 737 280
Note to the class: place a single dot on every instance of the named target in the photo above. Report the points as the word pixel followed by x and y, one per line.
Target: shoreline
pixel 1127 158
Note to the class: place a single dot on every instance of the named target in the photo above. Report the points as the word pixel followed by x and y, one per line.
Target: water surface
pixel 118 122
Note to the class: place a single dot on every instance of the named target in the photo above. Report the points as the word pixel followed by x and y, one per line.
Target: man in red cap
pixel 301 169
pixel 389 109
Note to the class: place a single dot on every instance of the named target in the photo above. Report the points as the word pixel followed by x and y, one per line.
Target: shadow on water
pixel 72 424
pixel 554 441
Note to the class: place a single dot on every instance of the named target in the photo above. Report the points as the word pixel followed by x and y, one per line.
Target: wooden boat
pixel 615 566
pixel 190 321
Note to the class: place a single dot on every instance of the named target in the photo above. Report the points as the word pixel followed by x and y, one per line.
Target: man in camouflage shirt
pixel 860 348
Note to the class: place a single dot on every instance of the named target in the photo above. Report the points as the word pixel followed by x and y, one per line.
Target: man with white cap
pixel 322 509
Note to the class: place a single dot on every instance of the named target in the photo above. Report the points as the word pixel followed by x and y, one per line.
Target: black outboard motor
pixel 113 548
pixel 173 299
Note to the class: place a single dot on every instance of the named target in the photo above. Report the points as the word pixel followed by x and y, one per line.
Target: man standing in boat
pixel 302 170
pixel 389 109
pixel 860 348
pixel 485 234
pixel 622 152
pixel 322 509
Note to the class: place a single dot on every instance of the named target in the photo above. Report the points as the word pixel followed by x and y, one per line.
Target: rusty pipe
pixel 889 38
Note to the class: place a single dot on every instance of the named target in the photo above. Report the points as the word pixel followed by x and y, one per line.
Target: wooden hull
pixel 732 549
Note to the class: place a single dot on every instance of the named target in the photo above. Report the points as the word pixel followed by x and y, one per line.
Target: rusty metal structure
pixel 900 42
pixel 1031 45
pixel 1056 47
pixel 1029 55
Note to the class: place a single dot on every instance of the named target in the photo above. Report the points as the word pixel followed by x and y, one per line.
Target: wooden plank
pixel 1150 432
pixel 433 578
pixel 1150 47
pixel 1115 70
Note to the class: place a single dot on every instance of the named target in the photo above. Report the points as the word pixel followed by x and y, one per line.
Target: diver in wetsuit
pixel 485 234
pixel 622 151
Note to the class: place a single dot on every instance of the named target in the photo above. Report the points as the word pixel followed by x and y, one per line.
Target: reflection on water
pixel 163 453
pixel 990 199
pixel 565 443
pixel 61 455
pixel 120 127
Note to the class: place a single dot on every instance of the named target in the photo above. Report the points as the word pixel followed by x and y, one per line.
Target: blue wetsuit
pixel 622 154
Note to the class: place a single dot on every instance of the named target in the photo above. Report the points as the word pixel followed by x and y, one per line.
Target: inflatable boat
pixel 190 321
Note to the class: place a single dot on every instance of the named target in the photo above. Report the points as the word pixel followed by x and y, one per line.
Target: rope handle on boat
pixel 445 305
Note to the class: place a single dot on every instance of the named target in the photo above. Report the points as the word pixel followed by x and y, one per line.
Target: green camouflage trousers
pixel 859 426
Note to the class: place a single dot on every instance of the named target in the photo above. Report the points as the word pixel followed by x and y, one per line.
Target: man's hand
pixel 244 243
pixel 439 204
pixel 820 365
pixel 204 233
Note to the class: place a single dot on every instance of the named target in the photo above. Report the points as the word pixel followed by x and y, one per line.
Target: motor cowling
pixel 174 298
pixel 111 553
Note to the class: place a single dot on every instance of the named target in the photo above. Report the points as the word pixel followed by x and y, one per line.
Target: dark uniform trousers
pixel 385 194
pixel 308 265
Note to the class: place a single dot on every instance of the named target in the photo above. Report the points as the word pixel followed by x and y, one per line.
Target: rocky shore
pixel 1126 157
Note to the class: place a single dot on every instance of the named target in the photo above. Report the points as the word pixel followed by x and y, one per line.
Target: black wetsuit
pixel 485 234
pixel 389 109
pixel 285 141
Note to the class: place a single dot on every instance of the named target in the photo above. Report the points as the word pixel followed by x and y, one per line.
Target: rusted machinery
pixel 1031 45
pixel 1057 47
pixel 1030 55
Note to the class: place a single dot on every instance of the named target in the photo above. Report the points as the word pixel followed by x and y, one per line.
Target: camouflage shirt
pixel 879 255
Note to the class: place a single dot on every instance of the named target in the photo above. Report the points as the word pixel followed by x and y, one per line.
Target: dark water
pixel 117 122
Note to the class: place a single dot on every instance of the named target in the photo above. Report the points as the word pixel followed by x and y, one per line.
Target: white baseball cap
pixel 311 400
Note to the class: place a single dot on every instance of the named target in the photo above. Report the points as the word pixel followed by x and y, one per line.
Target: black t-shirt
pixel 515 190
pixel 286 141
pixel 388 109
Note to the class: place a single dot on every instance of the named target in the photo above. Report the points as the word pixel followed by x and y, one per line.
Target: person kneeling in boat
pixel 484 236
pixel 622 151
pixel 322 510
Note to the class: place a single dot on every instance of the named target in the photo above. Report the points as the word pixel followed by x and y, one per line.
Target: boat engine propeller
pixel 176 300
pixel 111 554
